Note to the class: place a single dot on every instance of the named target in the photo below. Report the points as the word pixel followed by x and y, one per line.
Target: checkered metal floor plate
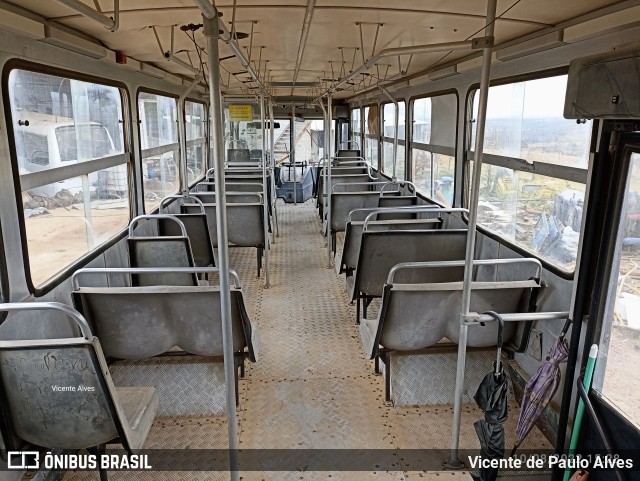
pixel 313 387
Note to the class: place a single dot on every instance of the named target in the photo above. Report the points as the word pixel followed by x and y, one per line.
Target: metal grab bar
pixel 186 196
pixel 51 306
pixel 149 270
pixel 349 157
pixel 350 142
pixel 394 210
pixel 591 412
pixel 476 318
pixel 135 220
pixel 229 195
pixel 355 183
pixel 477 262
pixel 401 210
pixel 229 183
pixel 399 182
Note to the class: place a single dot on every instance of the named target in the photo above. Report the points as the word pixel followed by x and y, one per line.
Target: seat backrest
pixel 353 235
pixel 247 178
pixel 232 197
pixel 198 232
pixel 381 250
pixel 245 227
pixel 170 251
pixel 238 155
pixel 57 393
pixel 357 179
pixel 416 316
pixel 141 322
pixel 344 202
pixel 349 153
pixel 243 186
pixel 396 201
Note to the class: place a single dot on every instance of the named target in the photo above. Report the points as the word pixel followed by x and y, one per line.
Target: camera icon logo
pixel 23 460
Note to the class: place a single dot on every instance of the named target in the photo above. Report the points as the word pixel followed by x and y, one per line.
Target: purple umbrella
pixel 541 388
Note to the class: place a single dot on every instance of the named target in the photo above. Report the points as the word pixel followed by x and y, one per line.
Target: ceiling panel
pixel 406 22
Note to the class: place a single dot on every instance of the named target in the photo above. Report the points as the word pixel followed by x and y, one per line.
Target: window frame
pixel 366 136
pixel 467 179
pixel 436 149
pixel 175 146
pixel 125 98
pixel 4 277
pixel 352 134
pixel 384 138
pixel 603 317
pixel 201 140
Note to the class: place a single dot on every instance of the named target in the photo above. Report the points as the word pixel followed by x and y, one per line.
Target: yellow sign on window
pixel 239 113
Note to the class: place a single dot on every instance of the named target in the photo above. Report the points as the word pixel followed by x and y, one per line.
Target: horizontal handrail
pixel 399 182
pixel 356 183
pixel 394 210
pixel 475 318
pixel 227 184
pixel 187 195
pixel 135 220
pixel 351 142
pixel 476 262
pixel 148 270
pixel 51 306
pixel 421 208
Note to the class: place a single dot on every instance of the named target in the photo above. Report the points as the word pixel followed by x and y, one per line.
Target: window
pixel 433 146
pixel 74 174
pixel 618 358
pixel 159 143
pixel 389 119
pixel 371 135
pixel 534 169
pixel 356 130
pixel 196 141
pixel 243 133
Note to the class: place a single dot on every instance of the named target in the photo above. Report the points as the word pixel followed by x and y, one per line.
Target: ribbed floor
pixel 313 386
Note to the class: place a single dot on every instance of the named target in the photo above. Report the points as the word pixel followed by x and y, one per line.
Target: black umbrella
pixel 491 397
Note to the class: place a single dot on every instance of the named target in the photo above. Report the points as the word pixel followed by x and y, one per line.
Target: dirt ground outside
pixel 59 237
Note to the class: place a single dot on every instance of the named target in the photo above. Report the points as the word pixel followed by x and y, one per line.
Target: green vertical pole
pixel 586 382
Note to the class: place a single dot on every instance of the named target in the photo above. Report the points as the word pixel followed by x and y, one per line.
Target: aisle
pixel 312 387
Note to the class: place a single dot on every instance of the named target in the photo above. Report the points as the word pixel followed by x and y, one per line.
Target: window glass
pixel 158 129
pixel 422 120
pixel 540 213
pixel 243 133
pixel 433 175
pixel 59 122
pixel 617 376
pixel 371 130
pixel 524 120
pixel 433 146
pixel 355 127
pixel 282 140
pixel 389 118
pixel 195 130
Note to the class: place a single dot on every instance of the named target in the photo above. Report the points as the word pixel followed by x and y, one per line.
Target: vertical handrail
pixel 471 234
pixel 293 152
pixel 327 136
pixel 211 32
pixel 265 189
pixel 272 164
pixel 327 161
